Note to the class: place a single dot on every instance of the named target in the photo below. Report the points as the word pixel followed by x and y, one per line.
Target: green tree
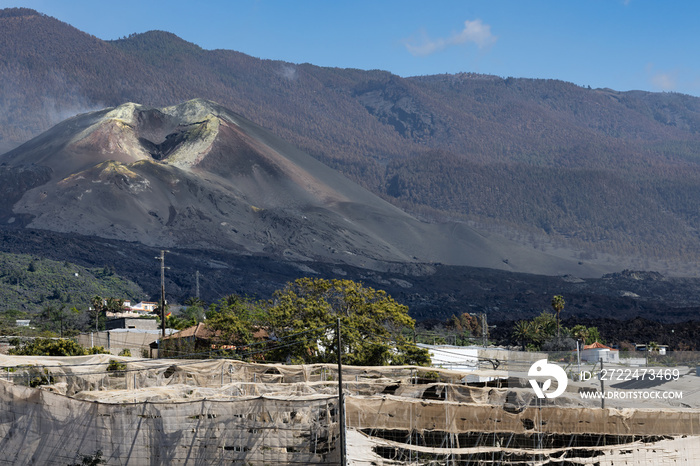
pixel 59 317
pixel 588 335
pixel 233 321
pixel 96 310
pixel 114 305
pixel 533 333
pixel 177 323
pixel 303 318
pixel 53 347
pixel 558 306
pixel 523 332
pixel 580 332
pixel 594 335
pixel 195 311
pixel 234 318
pixel 545 325
pixel 99 307
pixel 195 301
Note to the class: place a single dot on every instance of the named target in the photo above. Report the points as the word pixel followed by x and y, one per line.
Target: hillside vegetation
pixel 29 284
pixel 545 162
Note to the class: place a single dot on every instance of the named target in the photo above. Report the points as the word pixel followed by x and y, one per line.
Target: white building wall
pixel 459 358
pixel 595 355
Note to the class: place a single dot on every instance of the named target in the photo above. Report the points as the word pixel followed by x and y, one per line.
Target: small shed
pixel 195 339
pixel 199 340
pixel 597 351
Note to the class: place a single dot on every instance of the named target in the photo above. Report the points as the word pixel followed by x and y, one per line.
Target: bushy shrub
pixel 116 366
pixel 54 347
pixel 91 460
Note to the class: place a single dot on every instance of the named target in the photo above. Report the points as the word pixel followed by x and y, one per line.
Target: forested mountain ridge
pixel 547 162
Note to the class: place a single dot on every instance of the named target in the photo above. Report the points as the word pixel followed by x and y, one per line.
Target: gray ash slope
pixel 196 175
pixel 622 305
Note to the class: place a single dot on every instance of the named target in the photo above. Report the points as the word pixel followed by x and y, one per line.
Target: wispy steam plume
pixel 474 32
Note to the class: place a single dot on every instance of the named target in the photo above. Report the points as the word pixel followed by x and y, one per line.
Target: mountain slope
pixel 198 175
pixel 598 172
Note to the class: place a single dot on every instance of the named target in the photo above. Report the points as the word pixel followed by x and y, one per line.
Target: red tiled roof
pixel 198 331
pixel 597 345
pixel 201 331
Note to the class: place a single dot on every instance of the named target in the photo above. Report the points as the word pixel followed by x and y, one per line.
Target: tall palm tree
pixel 97 307
pixel 558 305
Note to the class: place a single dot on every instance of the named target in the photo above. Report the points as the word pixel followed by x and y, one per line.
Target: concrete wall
pixel 115 341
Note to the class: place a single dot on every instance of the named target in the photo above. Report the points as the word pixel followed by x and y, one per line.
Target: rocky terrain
pixel 251 212
pixel 197 175
pixel 606 176
pixel 433 292
pixel 455 193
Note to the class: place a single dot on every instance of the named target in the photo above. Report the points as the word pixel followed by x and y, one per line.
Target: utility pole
pixel 484 330
pixel 341 402
pixel 602 385
pixel 578 354
pixel 162 291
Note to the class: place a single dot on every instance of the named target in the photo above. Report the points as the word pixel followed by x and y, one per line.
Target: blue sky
pixel 620 44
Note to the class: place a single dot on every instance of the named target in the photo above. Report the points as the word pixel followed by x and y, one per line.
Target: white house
pixel 597 351
pixel 142 307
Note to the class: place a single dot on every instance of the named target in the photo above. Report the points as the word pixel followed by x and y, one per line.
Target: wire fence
pixel 222 411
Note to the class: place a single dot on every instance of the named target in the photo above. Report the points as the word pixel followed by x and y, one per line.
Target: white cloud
pixel 680 79
pixel 664 81
pixel 474 32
